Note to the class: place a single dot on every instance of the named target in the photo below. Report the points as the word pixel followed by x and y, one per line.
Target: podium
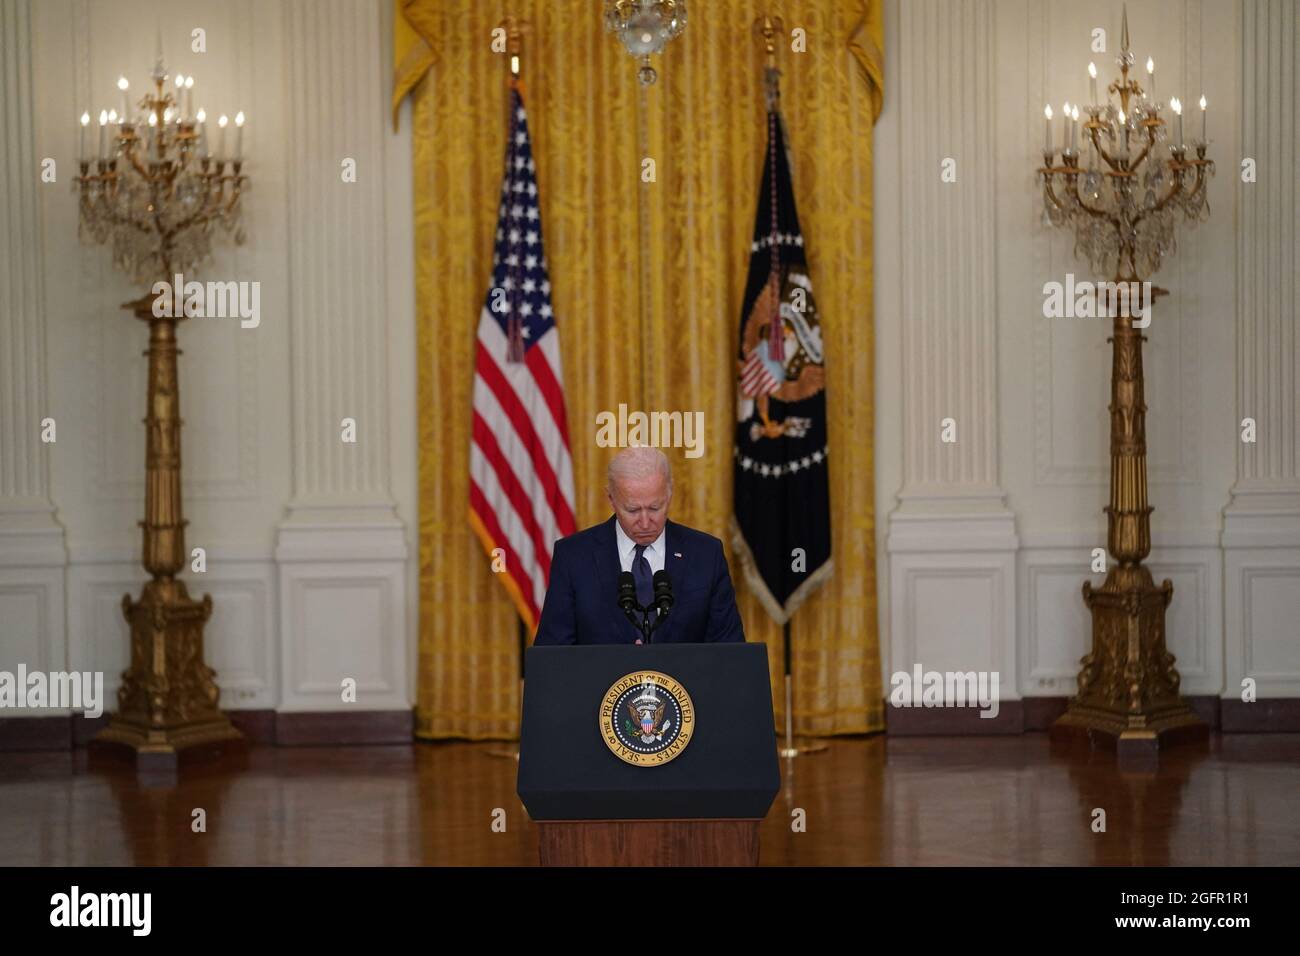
pixel 648 755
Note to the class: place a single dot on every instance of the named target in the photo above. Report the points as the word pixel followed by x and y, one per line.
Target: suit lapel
pixel 605 557
pixel 678 569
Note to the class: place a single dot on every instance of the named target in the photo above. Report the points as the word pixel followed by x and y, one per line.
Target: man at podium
pixel 590 599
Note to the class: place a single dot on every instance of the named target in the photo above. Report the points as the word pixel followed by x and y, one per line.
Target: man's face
pixel 641 506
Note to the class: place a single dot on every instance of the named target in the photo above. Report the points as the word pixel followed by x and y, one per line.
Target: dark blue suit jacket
pixel 582 598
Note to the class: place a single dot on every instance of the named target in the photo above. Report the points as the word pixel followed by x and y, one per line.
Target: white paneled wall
pixel 951 541
pixel 309 541
pixel 985 544
pixel 1261 529
pixel 33 557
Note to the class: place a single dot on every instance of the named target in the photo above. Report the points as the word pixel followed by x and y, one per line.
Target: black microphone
pixel 628 602
pixel 663 598
pixel 627 592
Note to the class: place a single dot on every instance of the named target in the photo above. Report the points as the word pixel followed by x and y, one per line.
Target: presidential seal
pixel 647 718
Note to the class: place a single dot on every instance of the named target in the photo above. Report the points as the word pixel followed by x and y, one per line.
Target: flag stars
pixel 526 309
pixel 530 262
pixel 512 260
pixel 545 311
pixel 529 286
pixel 531 237
pixel 514 236
pixel 791 467
pixel 520 137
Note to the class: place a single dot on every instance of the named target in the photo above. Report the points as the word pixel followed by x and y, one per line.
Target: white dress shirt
pixel 654 552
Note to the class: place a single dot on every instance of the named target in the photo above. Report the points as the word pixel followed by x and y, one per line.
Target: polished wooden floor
pixel 927 801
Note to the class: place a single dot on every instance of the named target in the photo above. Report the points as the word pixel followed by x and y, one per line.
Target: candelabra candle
pixel 1092 82
pixel 189 96
pixel 103 123
pixel 123 86
pixel 1204 137
pixel 1151 79
pixel 202 119
pixel 1047 129
pixel 81 141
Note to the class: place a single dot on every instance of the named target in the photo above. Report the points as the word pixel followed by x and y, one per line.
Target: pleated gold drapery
pixel 647 280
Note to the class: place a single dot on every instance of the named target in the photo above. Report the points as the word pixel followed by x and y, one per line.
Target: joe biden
pixel 582 600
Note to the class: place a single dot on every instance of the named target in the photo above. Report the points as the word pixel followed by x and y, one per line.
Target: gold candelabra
pixel 1123 208
pixel 156 192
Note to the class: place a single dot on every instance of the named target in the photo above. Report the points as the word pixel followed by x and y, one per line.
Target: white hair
pixel 638 461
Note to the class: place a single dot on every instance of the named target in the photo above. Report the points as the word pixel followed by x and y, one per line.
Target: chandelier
pixel 156 188
pixel 1124 203
pixel 645 27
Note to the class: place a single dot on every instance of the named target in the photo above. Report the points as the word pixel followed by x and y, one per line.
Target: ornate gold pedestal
pixel 1128 696
pixel 167 704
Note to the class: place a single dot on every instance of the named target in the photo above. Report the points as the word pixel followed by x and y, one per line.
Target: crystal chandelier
pixel 645 27
pixel 1124 205
pixel 154 187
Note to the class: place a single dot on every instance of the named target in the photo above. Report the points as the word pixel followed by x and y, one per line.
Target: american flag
pixel 521 471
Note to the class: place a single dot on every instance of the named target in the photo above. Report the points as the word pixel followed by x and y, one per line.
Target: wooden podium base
pixel 648 842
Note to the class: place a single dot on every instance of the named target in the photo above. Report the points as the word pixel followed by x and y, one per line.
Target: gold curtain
pixel 647 280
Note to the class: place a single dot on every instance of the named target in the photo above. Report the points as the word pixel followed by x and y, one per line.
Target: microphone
pixel 663 598
pixel 627 592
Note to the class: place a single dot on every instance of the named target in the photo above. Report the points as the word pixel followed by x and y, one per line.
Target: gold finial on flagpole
pixel 767 28
pixel 515 30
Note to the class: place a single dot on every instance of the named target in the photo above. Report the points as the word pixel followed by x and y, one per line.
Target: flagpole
pixel 514 49
pixel 521 630
pixel 767 27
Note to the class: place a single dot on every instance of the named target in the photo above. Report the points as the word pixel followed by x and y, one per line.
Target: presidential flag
pixel 781 528
pixel 521 471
